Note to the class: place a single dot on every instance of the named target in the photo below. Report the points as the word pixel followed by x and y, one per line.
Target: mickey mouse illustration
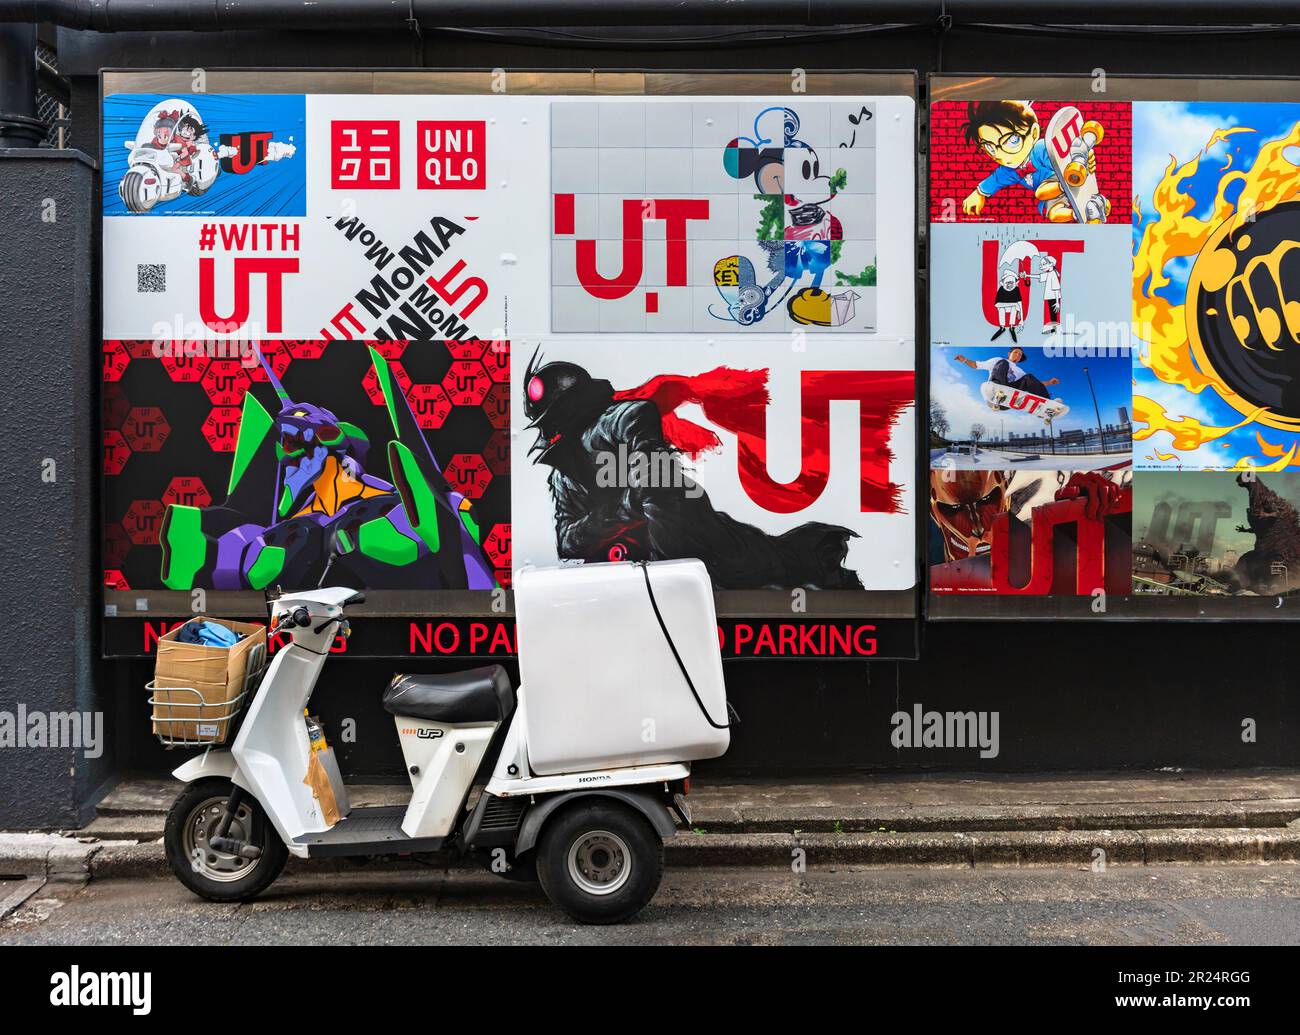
pixel 792 171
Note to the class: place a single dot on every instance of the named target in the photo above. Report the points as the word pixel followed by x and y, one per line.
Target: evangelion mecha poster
pixel 1030 482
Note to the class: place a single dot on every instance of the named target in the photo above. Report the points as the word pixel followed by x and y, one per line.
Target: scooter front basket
pixel 184 716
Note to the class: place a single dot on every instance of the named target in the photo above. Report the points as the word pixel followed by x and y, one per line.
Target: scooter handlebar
pixel 299 616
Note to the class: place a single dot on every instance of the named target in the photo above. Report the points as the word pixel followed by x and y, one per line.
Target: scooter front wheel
pixel 217 875
pixel 600 861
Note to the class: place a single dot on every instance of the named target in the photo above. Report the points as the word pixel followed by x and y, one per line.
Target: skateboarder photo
pixel 1004 409
pixel 1008 372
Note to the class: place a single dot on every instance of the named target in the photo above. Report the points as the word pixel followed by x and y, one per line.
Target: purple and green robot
pixel 301 508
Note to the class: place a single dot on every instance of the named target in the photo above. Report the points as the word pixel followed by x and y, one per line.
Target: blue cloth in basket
pixel 209 634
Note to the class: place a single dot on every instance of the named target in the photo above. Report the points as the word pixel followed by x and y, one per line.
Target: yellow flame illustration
pixel 1177 234
pixel 1268 448
pixel 1187 432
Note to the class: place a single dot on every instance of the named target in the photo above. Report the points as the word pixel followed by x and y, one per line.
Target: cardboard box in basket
pixel 218 673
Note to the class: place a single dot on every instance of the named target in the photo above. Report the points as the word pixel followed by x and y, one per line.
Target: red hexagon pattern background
pixel 171 414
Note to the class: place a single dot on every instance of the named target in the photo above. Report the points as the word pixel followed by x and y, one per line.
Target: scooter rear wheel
pixel 600 861
pixel 220 876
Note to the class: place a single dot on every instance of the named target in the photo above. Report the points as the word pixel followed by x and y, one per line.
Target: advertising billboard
pixel 416 336
pixel 1113 420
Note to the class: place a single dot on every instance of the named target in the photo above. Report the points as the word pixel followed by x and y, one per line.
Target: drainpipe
pixel 348 15
pixel 19 126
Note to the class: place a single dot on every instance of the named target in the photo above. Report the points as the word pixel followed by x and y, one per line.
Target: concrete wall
pixel 49 642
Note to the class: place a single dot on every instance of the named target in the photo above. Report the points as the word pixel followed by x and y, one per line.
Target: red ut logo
pixel 1023 401
pixel 675 213
pixel 1063 552
pixel 452 155
pixel 1019 265
pixel 1069 131
pixel 272 269
pixel 250 151
pixel 881 396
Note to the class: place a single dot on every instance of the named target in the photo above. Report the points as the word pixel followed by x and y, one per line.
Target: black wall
pixel 49 646
pixel 1070 695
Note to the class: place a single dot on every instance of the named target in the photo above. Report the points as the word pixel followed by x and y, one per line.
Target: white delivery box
pixel 601 687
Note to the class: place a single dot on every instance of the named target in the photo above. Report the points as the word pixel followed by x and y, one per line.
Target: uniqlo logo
pixel 452 155
pixel 364 155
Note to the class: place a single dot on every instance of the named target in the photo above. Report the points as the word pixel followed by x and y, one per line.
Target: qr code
pixel 151 277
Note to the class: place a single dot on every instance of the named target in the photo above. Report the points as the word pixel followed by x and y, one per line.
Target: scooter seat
pixel 474 695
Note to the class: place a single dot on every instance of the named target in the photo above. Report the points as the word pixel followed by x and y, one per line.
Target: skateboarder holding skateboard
pixel 1008 372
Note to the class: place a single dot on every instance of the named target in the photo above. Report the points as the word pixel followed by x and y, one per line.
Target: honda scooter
pixel 585 767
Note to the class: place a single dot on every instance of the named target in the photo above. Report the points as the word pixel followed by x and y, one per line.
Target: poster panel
pixel 1112 311
pixel 415 340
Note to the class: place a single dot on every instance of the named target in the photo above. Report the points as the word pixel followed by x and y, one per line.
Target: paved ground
pixel 1222 905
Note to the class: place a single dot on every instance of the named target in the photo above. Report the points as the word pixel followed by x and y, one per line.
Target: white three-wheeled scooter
pixel 585 767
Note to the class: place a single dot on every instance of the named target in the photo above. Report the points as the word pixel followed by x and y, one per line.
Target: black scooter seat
pixel 474 695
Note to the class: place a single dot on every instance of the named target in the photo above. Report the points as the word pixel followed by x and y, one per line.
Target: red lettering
pixel 245 269
pixel 787 640
pixel 502 641
pixel 629 275
pixel 421 639
pixel 469 284
pixel 865 646
pixel 881 396
pixel 675 213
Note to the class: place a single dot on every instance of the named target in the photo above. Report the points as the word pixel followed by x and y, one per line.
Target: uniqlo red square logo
pixel 364 155
pixel 452 155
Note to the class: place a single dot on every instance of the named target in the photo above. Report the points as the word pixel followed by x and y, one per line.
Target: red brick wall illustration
pixel 956 166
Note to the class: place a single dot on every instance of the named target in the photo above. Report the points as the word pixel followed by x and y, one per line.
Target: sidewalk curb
pixel 903 819
pixel 1093 849
pixel 759 819
pixel 52 857
pixel 994 848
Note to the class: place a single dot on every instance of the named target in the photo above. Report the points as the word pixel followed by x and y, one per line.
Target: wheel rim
pixel 201 824
pixel 599 862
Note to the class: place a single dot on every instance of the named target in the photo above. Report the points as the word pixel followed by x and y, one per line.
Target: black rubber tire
pixel 257 879
pixel 645 851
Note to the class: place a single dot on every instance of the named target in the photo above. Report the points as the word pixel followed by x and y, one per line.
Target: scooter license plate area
pixel 683 808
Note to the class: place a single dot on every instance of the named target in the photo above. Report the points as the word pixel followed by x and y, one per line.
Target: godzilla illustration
pixel 1275 523
pixel 581 421
pixel 300 507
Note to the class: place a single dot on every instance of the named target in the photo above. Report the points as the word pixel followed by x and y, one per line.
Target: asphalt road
pixel 1167 905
